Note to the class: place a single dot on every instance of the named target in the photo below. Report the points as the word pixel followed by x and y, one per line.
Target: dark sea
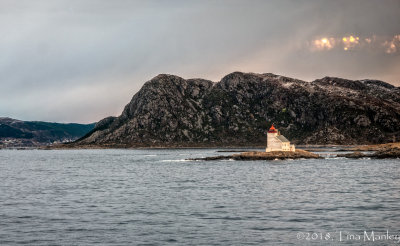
pixel 156 197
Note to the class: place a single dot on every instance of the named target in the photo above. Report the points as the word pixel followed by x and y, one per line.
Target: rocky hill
pixel 237 111
pixel 17 133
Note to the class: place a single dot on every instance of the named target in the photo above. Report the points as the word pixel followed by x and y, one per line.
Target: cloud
pixel 392 46
pixel 323 44
pixel 83 60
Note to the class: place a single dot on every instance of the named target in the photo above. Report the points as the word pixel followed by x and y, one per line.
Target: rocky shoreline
pixel 257 155
pixel 380 151
pixel 380 154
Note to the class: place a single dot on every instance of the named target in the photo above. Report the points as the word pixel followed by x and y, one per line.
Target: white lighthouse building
pixel 277 142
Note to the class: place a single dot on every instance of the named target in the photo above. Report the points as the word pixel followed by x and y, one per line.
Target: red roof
pixel 272 129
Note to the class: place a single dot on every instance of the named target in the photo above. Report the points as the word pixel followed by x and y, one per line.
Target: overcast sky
pixel 83 60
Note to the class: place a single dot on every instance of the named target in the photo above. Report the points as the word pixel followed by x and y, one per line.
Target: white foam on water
pixel 179 160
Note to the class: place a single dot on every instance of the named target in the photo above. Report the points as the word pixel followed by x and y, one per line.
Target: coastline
pixel 380 151
pixel 222 146
pixel 308 147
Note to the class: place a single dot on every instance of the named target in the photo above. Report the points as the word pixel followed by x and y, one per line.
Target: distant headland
pixel 32 134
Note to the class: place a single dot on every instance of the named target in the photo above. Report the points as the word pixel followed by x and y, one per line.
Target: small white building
pixel 277 142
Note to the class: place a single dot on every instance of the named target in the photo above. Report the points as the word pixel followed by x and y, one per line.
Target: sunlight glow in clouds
pixel 387 45
pixel 393 45
pixel 350 42
pixel 324 44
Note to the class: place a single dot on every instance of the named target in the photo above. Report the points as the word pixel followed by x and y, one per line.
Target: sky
pixel 83 60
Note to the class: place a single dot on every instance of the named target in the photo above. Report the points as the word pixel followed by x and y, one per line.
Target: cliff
pixel 170 111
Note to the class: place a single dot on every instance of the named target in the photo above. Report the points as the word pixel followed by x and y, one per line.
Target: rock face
pixel 170 111
pixel 17 133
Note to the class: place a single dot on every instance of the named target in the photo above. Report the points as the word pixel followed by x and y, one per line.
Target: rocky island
pixel 381 151
pixel 257 155
pixel 169 111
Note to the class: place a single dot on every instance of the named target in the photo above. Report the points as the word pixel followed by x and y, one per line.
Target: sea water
pixel 157 197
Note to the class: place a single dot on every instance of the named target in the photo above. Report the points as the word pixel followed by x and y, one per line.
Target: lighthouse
pixel 277 142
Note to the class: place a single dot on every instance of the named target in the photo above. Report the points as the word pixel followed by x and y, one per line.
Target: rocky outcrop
pixel 257 156
pixel 170 111
pixel 391 153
